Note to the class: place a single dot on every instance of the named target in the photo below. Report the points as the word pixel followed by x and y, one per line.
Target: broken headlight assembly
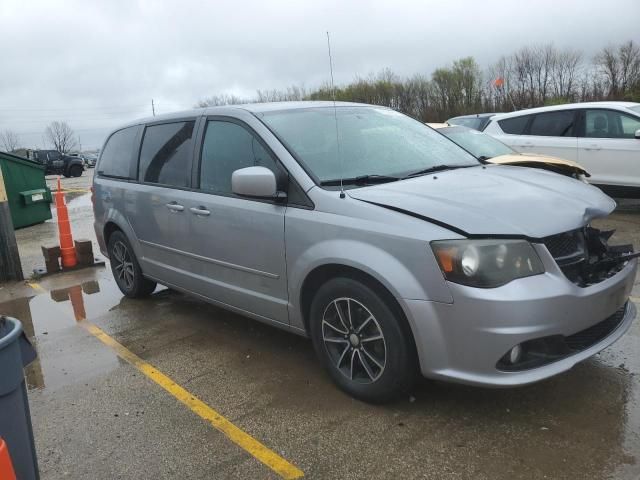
pixel 486 263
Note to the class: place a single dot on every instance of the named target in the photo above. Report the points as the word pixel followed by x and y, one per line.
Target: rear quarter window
pixel 118 156
pixel 515 125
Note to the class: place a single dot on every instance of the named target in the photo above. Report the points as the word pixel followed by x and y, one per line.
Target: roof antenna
pixel 335 117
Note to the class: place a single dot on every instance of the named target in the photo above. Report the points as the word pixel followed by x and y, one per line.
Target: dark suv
pixel 57 163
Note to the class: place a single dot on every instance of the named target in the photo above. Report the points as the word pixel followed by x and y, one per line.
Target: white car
pixel 604 137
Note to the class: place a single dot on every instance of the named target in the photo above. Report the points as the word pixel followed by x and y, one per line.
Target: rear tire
pixel 360 340
pixel 126 269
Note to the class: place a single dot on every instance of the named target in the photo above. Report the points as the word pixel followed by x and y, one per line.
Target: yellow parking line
pixel 245 441
pixel 37 287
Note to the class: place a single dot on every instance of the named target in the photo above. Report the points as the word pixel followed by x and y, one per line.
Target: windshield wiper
pixel 360 180
pixel 435 168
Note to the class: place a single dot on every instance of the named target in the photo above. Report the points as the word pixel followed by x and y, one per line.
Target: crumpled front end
pixel 535 327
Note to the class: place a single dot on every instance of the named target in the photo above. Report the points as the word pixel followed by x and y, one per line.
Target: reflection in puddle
pixel 48 319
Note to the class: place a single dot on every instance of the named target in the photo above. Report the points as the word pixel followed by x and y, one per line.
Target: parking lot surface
pixel 98 415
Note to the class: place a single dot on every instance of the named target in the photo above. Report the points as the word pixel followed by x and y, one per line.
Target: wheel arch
pixel 323 273
pixel 115 221
pixel 109 228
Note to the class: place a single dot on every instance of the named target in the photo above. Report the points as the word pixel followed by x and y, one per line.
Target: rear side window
pixel 165 157
pixel 118 154
pixel 228 147
pixel 515 125
pixel 553 124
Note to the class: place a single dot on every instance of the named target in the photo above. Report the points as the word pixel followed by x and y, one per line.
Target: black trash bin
pixel 16 353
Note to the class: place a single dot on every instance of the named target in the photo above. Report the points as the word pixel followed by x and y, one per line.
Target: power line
pixel 67 119
pixel 69 113
pixel 111 107
pixel 39 132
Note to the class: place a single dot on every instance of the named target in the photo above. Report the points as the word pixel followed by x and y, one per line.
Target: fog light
pixel 515 354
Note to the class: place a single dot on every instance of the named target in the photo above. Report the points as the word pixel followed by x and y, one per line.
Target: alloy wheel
pixel 123 265
pixel 354 340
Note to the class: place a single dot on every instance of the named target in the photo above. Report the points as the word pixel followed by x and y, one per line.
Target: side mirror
pixel 637 135
pixel 258 182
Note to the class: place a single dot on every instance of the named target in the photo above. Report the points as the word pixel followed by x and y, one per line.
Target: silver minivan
pixel 390 246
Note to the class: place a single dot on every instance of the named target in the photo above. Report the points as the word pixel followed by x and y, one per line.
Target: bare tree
pixel 565 70
pixel 291 94
pixel 607 62
pixel 9 140
pixel 61 136
pixel 629 60
pixel 220 100
pixel 529 77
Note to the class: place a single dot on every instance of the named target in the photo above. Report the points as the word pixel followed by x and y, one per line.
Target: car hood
pixel 533 159
pixel 494 200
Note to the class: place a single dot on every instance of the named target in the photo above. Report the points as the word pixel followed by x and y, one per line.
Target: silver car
pixel 394 249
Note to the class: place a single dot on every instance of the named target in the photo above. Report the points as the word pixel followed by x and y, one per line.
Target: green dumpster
pixel 27 192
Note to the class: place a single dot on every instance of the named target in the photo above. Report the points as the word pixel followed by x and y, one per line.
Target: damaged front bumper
pixel 469 340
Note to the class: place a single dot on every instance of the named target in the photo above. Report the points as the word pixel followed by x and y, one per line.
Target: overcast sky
pixel 98 64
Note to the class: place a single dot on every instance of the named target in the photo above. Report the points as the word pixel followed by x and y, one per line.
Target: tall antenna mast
pixel 335 117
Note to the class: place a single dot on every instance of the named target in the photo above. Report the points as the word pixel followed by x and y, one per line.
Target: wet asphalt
pixel 97 417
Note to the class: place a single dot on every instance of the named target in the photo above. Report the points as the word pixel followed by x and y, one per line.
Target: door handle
pixel 174 207
pixel 200 211
pixel 594 146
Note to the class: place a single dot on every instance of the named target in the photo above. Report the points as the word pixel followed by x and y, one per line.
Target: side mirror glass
pixel 259 182
pixel 637 135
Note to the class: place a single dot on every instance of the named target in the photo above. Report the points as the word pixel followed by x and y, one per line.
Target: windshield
pixel 372 141
pixel 479 144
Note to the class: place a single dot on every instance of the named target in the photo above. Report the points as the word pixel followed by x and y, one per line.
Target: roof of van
pixel 250 107
pixel 567 106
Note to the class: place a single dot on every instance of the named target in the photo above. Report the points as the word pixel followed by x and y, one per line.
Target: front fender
pixel 390 271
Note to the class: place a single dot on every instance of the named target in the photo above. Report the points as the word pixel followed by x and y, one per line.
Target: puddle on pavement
pixel 49 320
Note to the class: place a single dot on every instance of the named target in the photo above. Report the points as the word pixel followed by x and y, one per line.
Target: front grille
pixel 584 255
pixel 592 335
pixel 566 244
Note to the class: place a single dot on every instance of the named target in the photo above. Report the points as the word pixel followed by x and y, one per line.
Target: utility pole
pixel 153 108
pixel 79 144
pixel 10 266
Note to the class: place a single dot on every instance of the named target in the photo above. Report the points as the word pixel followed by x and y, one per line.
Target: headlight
pixel 486 263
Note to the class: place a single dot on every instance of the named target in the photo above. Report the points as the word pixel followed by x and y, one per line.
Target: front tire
pixel 360 340
pixel 126 269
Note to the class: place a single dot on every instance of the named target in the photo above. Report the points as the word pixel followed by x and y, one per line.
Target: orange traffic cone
pixel 6 467
pixel 67 249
